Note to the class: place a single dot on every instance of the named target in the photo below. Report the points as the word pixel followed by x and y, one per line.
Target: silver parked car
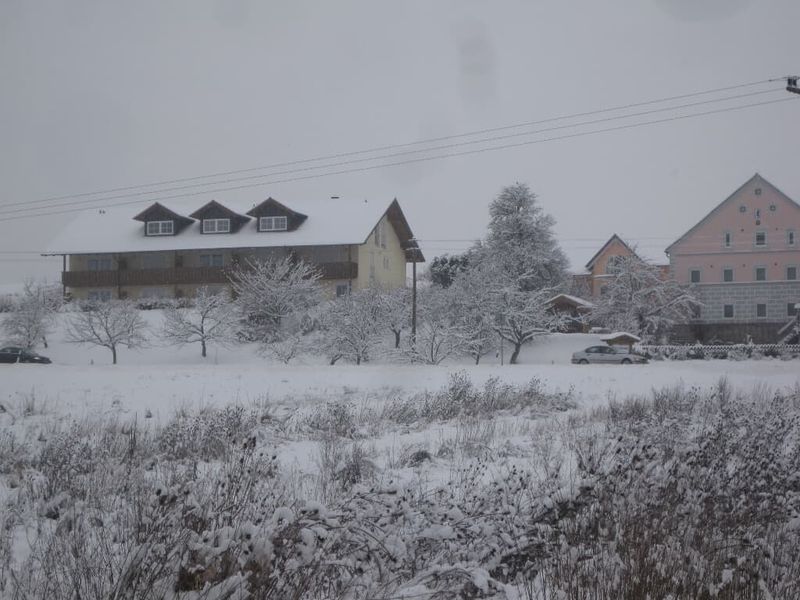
pixel 607 355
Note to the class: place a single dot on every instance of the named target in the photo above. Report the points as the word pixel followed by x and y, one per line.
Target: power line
pixel 394 146
pixel 409 161
pixel 385 156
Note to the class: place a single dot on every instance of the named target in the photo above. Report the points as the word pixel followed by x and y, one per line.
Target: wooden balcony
pixel 181 275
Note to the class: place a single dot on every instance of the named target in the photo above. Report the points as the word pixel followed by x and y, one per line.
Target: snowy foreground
pixel 170 476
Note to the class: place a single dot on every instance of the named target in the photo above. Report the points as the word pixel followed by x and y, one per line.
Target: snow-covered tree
pixel 521 245
pixel 641 300
pixel 396 311
pixel 352 325
pixel 444 269
pixel 212 318
pixel 522 266
pixel 272 292
pixel 522 316
pixel 32 317
pixel 440 334
pixel 108 324
pixel 471 302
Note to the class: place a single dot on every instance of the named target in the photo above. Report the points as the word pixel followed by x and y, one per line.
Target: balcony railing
pixel 179 275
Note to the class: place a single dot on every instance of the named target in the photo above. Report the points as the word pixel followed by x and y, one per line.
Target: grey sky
pixel 98 94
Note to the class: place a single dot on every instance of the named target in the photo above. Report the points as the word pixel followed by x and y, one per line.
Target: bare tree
pixel 271 291
pixel 212 318
pixel 471 304
pixel 440 334
pixel 108 324
pixel 522 316
pixel 32 318
pixel 352 325
pixel 640 299
pixel 397 311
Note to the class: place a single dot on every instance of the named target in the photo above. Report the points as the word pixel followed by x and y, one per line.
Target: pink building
pixel 743 257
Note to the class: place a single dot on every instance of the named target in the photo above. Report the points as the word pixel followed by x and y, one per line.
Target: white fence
pixel 700 351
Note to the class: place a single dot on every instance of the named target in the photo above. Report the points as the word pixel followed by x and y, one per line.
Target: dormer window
pixel 216 225
pixel 160 228
pixel 273 224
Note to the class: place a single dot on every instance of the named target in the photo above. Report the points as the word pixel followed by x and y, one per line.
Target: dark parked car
pixel 11 354
pixel 607 355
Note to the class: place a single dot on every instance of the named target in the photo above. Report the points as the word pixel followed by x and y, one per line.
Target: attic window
pixel 216 225
pixel 273 224
pixel 160 228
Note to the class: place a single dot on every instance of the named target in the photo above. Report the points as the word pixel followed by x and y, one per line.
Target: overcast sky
pixel 99 95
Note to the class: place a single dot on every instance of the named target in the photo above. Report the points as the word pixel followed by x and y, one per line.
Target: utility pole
pixel 414 301
pixel 791 85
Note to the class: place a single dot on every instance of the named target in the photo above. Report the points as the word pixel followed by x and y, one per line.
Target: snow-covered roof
pixel 329 222
pixel 620 335
pixel 573 299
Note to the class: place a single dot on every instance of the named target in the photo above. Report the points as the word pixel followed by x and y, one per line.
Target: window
pixel 694 275
pixel 342 289
pixel 727 311
pixel 382 229
pixel 791 311
pixel 790 237
pixel 386 263
pixel 99 264
pixel 377 237
pixel 761 311
pixel 154 293
pixel 154 261
pixel 761 273
pixel 211 260
pixel 160 228
pixel 273 224
pixel 613 264
pixel 791 273
pixel 216 225
pixel 727 275
pixel 696 314
pixel 727 239
pixel 761 238
pixel 742 208
pixel 603 290
pixel 99 295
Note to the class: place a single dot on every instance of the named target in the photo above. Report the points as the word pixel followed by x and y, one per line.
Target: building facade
pixel 600 268
pixel 161 253
pixel 743 260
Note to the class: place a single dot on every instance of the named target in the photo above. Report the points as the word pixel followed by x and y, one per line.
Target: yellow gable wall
pixel 384 267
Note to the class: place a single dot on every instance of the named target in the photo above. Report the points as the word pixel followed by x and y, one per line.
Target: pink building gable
pixel 743 262
pixel 757 227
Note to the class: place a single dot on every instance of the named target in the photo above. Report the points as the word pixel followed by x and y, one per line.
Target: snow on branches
pixel 31 318
pixel 212 318
pixel 640 299
pixel 271 292
pixel 109 325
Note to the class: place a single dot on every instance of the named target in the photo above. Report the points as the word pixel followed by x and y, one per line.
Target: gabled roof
pixel 158 208
pixel 213 205
pixel 271 202
pixel 754 179
pixel 403 230
pixel 330 223
pixel 606 245
pixel 573 300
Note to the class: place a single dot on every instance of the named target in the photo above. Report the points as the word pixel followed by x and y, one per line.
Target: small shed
pixel 621 338
pixel 574 309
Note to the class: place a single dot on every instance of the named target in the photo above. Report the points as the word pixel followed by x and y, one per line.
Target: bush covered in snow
pixel 687 494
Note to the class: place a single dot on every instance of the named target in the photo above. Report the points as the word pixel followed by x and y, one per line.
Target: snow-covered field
pixel 162 379
pixel 392 480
